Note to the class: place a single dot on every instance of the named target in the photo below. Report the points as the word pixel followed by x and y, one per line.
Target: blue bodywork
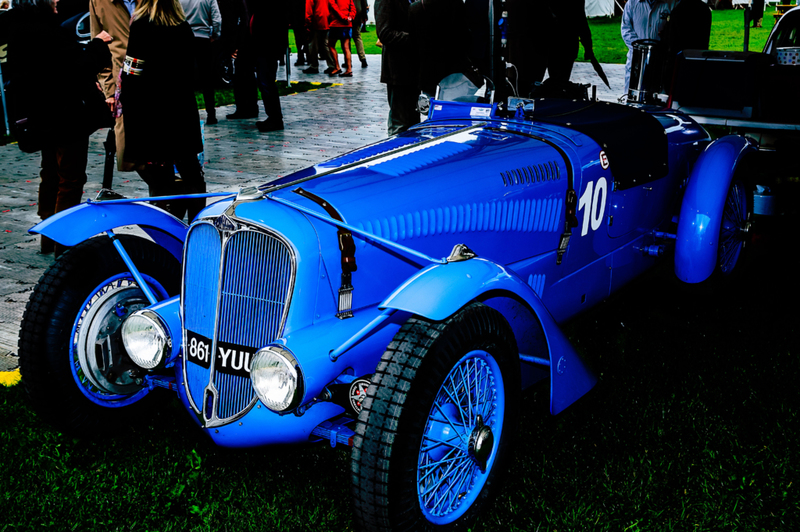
pixel 553 228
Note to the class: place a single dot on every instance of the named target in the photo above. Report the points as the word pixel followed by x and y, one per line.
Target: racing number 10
pixel 594 201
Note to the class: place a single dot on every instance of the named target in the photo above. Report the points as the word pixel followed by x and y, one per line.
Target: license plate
pixel 231 359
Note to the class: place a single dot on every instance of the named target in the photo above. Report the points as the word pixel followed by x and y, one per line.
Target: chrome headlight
pixel 146 339
pixel 423 104
pixel 276 378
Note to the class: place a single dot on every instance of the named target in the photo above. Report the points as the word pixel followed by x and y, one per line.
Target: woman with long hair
pixel 158 106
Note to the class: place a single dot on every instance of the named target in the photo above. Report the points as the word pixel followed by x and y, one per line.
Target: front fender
pixel 441 290
pixel 703 203
pixel 83 221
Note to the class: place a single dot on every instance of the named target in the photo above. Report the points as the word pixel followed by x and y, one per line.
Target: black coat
pixel 50 76
pixel 400 61
pixel 270 28
pixel 159 109
pixel 442 27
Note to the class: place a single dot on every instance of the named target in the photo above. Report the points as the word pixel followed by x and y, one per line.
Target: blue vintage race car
pixel 396 299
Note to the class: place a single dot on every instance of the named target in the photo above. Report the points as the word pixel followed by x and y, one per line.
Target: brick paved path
pixel 319 124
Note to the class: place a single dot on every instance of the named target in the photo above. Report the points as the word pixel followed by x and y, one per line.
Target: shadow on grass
pixel 693 425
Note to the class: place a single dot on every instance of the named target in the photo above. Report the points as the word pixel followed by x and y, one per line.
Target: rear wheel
pixel 73 364
pixel 734 229
pixel 437 425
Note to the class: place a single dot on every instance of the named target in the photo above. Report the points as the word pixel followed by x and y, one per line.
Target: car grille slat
pixel 201 284
pixel 253 293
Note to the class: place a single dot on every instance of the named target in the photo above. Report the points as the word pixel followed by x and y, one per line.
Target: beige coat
pixel 113 17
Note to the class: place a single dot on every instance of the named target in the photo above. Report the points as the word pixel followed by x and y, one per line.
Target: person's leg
pixel 402 108
pixel 205 65
pixel 334 56
pixel 245 90
pixel 299 39
pixel 48 186
pixel 72 158
pixel 63 177
pixel 267 69
pixel 359 44
pixel 324 49
pixel 348 56
pixel 193 178
pixel 48 191
pixel 313 53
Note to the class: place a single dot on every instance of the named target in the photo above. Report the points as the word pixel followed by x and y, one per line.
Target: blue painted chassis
pixel 529 285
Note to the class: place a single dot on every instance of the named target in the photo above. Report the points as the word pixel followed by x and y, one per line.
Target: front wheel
pixel 74 367
pixel 437 424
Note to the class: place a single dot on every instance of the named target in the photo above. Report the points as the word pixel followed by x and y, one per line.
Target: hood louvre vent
pixel 528 175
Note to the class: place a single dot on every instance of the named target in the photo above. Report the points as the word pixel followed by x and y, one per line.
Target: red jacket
pixel 317 14
pixel 342 13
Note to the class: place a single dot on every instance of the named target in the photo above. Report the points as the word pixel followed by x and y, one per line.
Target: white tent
pixel 599 8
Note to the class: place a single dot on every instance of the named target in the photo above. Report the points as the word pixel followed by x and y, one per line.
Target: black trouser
pixel 402 107
pixel 266 70
pixel 63 175
pixel 204 72
pixel 245 90
pixel 758 10
pixel 160 179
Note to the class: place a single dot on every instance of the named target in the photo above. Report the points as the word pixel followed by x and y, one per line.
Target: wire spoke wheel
pixel 437 423
pixel 734 228
pixel 460 439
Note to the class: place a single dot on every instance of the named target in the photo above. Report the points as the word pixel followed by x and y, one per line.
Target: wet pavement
pixel 319 124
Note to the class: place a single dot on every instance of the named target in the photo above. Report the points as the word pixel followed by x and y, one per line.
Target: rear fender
pixel 439 291
pixel 83 221
pixel 702 207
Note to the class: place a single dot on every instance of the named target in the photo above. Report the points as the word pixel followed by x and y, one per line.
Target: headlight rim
pixel 291 359
pixel 160 325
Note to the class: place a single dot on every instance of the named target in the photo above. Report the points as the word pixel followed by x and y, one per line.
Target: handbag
pixel 29 138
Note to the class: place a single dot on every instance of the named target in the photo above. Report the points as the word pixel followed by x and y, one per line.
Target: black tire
pixel 387 454
pixel 61 320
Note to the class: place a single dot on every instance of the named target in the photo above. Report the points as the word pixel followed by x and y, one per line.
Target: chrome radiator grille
pixel 237 288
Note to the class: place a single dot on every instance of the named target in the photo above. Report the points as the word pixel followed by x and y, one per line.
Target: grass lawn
pixel 693 425
pixel 727 33
pixel 224 96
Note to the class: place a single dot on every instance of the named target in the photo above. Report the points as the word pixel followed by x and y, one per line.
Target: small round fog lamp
pixel 145 338
pixel 276 378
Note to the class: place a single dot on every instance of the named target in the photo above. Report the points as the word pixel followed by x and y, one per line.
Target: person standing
pixel 270 35
pixel 158 104
pixel 359 22
pixel 342 14
pixel 113 17
pixel 528 40
pixel 399 63
pixel 245 89
pixel 317 14
pixel 757 14
pixel 58 117
pixel 571 29
pixel 297 18
pixel 441 29
pixel 643 19
pixel 206 22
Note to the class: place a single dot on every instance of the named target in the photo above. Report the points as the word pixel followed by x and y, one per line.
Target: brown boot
pixel 758 23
